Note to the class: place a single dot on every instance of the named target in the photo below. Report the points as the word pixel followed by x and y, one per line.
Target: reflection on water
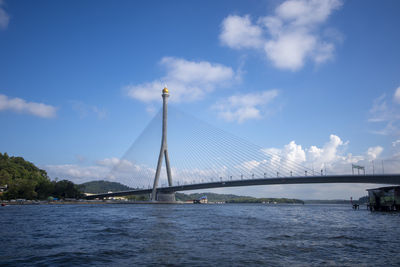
pixel 216 235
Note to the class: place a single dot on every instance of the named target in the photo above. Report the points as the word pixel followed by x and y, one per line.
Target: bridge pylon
pixel 164 197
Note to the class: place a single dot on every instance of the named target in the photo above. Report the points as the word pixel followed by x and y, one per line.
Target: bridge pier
pixel 163 150
pixel 165 197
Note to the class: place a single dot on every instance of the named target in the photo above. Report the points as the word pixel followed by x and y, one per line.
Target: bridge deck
pixel 393 179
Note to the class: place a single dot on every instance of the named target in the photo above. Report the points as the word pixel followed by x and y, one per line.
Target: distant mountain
pixel 99 187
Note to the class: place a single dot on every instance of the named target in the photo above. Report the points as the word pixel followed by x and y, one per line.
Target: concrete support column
pixel 163 150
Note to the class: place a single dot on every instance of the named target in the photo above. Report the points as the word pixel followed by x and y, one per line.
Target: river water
pixel 197 235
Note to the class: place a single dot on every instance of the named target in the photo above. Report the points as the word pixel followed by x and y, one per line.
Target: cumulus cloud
pixel 4 17
pixel 238 32
pixel 327 154
pixel 289 37
pixel 187 80
pixel 294 152
pixel 293 157
pixel 374 152
pixel 331 157
pixel 22 106
pixel 385 115
pixel 243 107
pixel 289 51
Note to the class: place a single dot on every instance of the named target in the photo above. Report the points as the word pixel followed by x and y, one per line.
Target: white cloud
pixel 327 154
pixel 113 169
pixel 292 156
pixel 85 110
pixel 396 151
pixel 293 33
pixel 145 92
pixel 384 113
pixel 130 173
pixel 22 106
pixel 396 143
pixel 116 163
pixel 275 162
pixel 101 113
pixel 374 152
pixel 4 17
pixel 380 111
pixel 294 152
pixel 289 50
pixel 251 164
pixel 195 174
pixel 396 96
pixel 331 157
pixel 187 80
pixel 151 109
pixel 306 12
pixel 243 107
pixel 238 32
pixel 76 173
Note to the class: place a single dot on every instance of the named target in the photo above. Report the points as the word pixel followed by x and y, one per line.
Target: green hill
pixel 22 179
pixel 99 187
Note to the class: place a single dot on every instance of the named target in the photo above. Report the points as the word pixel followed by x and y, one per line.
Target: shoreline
pixel 85 202
pixel 105 202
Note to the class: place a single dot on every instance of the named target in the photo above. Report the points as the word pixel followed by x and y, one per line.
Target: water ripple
pixel 197 235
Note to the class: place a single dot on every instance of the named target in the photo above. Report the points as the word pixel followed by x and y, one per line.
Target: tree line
pixel 230 198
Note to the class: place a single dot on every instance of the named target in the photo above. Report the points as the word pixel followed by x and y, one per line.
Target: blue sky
pixel 317 81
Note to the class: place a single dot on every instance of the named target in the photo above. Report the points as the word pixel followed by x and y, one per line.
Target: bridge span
pixel 392 179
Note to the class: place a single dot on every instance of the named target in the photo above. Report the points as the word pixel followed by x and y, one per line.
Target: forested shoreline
pixel 21 179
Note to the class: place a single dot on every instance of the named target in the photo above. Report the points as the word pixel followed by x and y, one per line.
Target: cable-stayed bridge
pixel 200 156
pixel 370 179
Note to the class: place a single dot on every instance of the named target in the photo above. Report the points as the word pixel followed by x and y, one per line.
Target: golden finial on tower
pixel 165 90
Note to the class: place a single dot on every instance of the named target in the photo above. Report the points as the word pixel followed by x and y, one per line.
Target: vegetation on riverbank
pixel 266 200
pixel 99 187
pixel 21 179
pixel 229 198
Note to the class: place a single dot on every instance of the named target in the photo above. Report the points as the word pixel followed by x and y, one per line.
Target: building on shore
pixel 202 200
pixel 384 198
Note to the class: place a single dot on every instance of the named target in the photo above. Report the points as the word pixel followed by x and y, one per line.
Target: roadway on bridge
pixel 389 179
